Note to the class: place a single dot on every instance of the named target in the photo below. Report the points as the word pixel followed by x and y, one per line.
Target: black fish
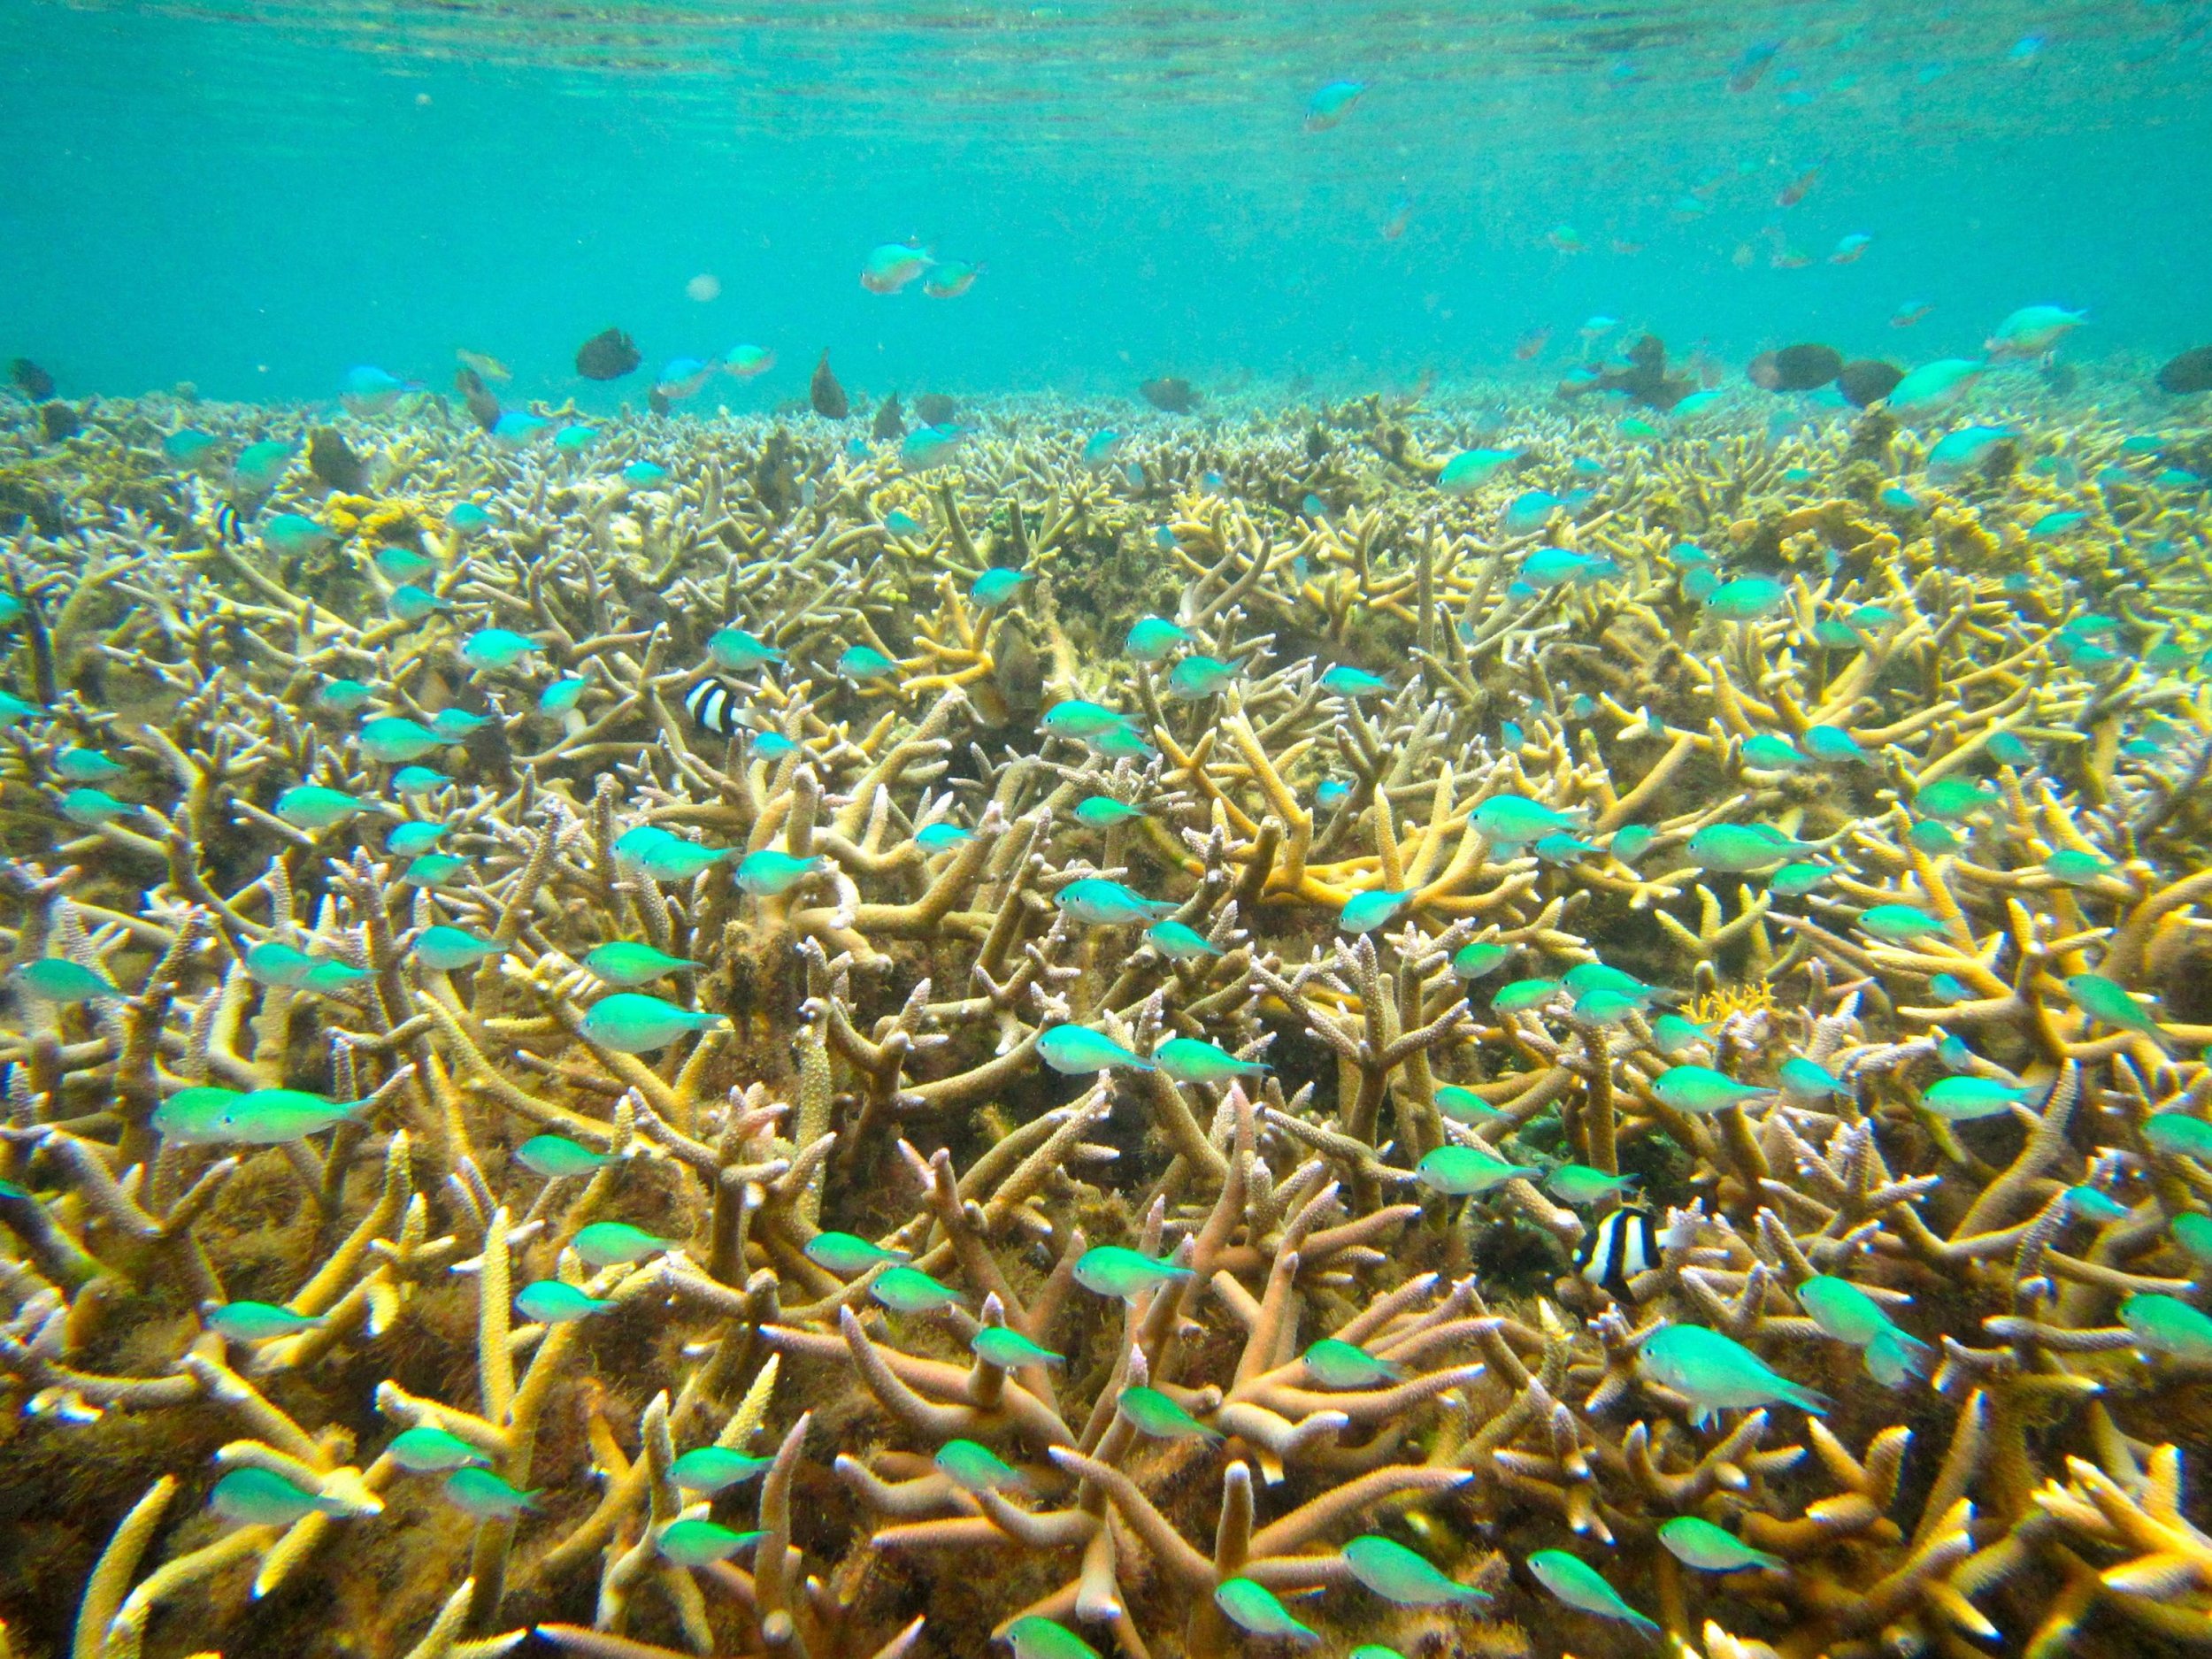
pixel 713 706
pixel 33 382
pixel 483 407
pixel 331 458
pixel 1796 368
pixel 1868 381
pixel 1620 1246
pixel 890 425
pixel 826 396
pixel 58 420
pixel 608 356
pixel 229 526
pixel 1645 379
pixel 1170 393
pixel 934 409
pixel 657 400
pixel 2191 372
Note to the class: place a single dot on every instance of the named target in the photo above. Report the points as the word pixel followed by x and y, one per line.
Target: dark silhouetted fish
pixel 713 705
pixel 2191 372
pixel 608 356
pixel 934 409
pixel 826 396
pixel 33 382
pixel 1622 1246
pixel 1171 393
pixel 1796 368
pixel 889 425
pixel 483 407
pixel 1867 380
pixel 657 401
pixel 58 420
pixel 331 458
pixel 2063 378
pixel 1645 379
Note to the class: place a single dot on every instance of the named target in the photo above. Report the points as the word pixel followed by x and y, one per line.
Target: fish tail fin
pixel 1808 1400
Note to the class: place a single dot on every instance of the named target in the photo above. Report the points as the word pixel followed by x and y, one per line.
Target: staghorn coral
pixel 854 1087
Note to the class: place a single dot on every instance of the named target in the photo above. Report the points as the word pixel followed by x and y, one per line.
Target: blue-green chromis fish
pixel 1580 1586
pixel 1188 1060
pixel 557 1157
pixel 1717 1372
pixel 1178 942
pixel 1364 912
pixel 553 1301
pixel 1036 1637
pixel 446 949
pixel 630 1022
pixel 256 1321
pixel 1253 1608
pixel 848 1253
pixel 1709 1548
pixel 1153 1413
pixel 770 874
pixel 1100 902
pixel 1462 1172
pixel 2169 1325
pixel 1397 1574
pixel 715 1469
pixel 626 964
pixel 1111 1271
pixel 1000 1345
pixel 424 1451
pixel 974 1467
pixel 697 1543
pixel 485 1496
pixel 603 1243
pixel 1073 1050
pixel 910 1290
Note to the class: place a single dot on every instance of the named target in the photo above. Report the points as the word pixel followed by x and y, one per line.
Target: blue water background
pixel 254 197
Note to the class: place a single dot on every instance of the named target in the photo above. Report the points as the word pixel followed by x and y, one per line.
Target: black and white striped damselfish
pixel 230 524
pixel 1620 1246
pixel 713 705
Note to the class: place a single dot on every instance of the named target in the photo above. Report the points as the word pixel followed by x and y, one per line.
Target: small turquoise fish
pixel 552 1302
pixel 256 1321
pixel 770 874
pixel 628 964
pixel 1008 1350
pixel 997 586
pixel 2193 1232
pixel 1074 717
pixel 1074 1050
pixel 1746 599
pixel 1255 1609
pixel 738 651
pixel 414 836
pixel 1462 1105
pixel 557 1157
pixel 1632 842
pixel 434 870
pixel 2169 1325
pixel 715 1469
pixel 308 806
pixel 1830 743
pixel 1197 677
pixel 1335 1365
pixel 1709 1548
pixel 1152 1412
pixel 278 965
pixel 493 649
pixel 411 603
pixel 1460 1171
pixel 1354 683
pixel 260 1497
pixel 1109 1269
pixel 1580 1586
pixel 87 765
pixel 1579 1185
pixel 974 1467
pixel 90 807
pixel 1809 1079
pixel 1845 1312
pixel 865 663
pixel 1152 638
pixel 848 1253
pixel 1717 1372
pixel 418 780
pixel 1364 912
pixel 1741 848
pixel 447 949
pixel 343 696
pixel 2180 1134
pixel 1900 924
pixel 390 739
pixel 1102 811
pixel 1701 1091
pixel 1099 902
pixel 1521 996
pixel 1036 1637
pixel 630 1022
pixel 2108 1003
pixel 1481 959
pixel 1397 1574
pixel 2078 868
pixel 424 1451
pixel 941 836
pixel 479 1493
pixel 1189 1060
pixel 1965 1099
pixel 699 1543
pixel 908 1290
pixel 1179 943
pixel 453 724
pixel 604 1243
pixel 1670 1033
pixel 2089 1203
pixel 1795 880
pixel 1952 798
pixel 58 980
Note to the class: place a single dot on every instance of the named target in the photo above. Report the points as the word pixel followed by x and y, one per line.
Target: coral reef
pixel 1191 1001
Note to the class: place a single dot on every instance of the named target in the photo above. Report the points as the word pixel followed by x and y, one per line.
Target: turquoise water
pixel 255 196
